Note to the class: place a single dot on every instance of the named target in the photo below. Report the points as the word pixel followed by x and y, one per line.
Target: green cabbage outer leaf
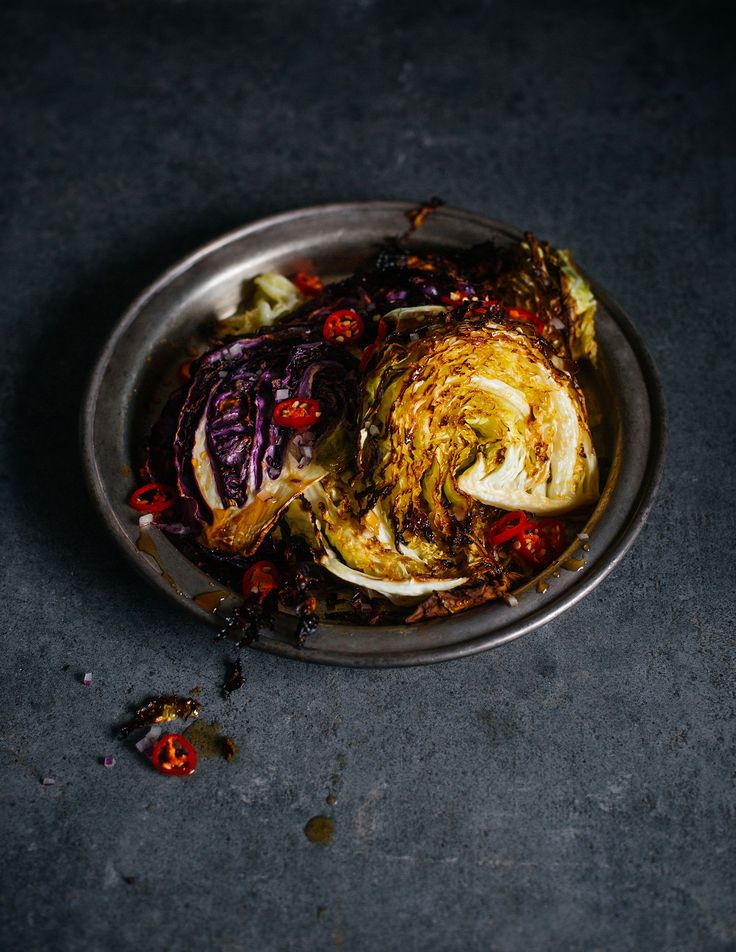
pixel 272 296
pixel 546 281
pixel 582 304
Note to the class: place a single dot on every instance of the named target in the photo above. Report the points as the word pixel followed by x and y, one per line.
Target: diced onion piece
pixel 149 740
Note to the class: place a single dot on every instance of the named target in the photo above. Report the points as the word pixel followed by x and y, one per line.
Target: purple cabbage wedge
pixel 235 468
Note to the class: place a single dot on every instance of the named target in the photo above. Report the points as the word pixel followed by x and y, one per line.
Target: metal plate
pixel 135 372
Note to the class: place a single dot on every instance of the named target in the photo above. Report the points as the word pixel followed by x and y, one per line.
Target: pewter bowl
pixel 136 371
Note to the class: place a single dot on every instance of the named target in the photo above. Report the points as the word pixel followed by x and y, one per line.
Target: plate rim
pixel 605 561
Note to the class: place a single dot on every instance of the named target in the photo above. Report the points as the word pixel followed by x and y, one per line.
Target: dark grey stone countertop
pixel 573 790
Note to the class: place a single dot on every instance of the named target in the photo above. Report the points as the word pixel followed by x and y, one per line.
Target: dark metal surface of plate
pixel 136 371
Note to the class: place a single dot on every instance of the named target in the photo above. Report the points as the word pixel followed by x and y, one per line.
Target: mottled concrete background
pixel 574 790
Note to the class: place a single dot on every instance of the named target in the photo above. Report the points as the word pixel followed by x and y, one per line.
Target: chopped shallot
pixel 146 744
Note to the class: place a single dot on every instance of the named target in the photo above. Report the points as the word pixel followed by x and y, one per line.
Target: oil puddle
pixel 320 829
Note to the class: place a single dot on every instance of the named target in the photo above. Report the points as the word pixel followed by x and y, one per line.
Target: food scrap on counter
pixel 164 743
pixel 320 829
pixel 160 710
pixel 235 679
pixel 210 741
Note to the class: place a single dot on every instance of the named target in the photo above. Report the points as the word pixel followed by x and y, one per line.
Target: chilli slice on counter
pixel 174 756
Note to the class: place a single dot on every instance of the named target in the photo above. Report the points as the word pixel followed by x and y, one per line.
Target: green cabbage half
pixel 466 418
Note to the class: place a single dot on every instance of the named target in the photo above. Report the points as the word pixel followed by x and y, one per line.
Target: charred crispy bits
pixel 161 710
pixel 235 679
pixel 417 216
pixel 458 600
